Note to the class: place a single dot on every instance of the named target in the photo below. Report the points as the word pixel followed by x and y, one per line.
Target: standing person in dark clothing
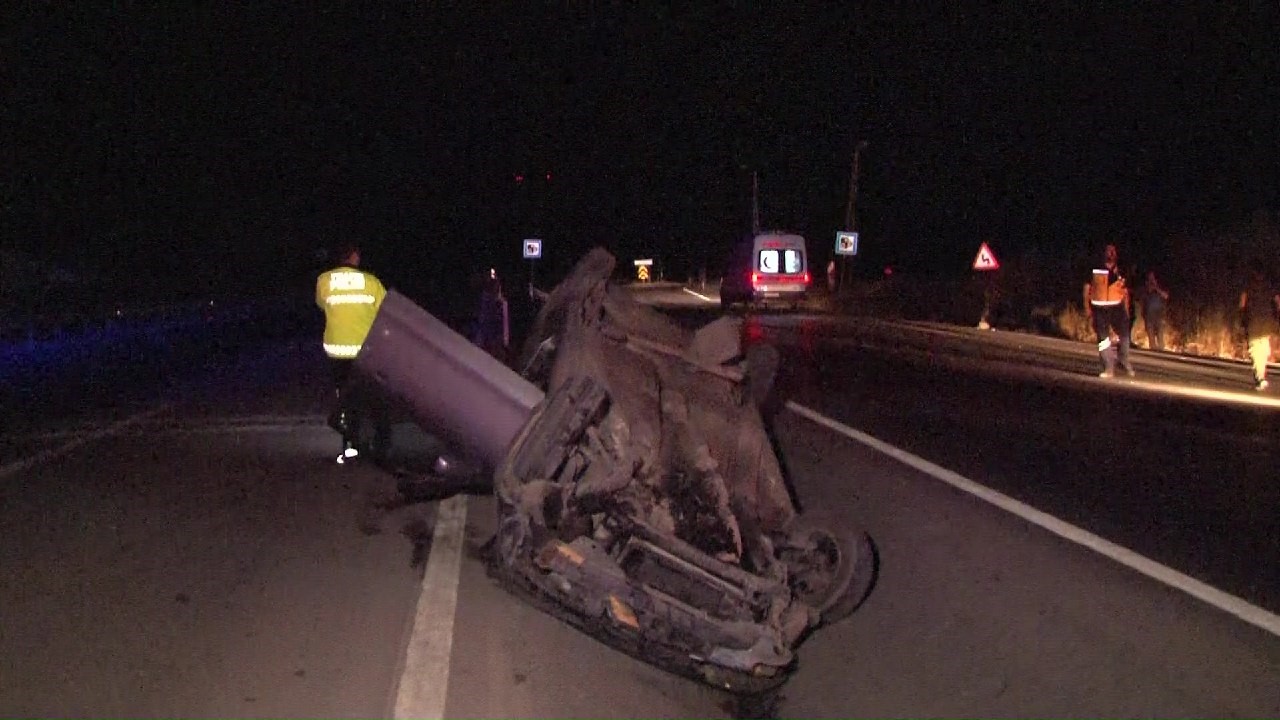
pixel 492 327
pixel 1154 300
pixel 350 298
pixel 1259 304
pixel 1107 304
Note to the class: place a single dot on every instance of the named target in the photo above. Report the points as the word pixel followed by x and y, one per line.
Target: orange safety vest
pixel 1105 292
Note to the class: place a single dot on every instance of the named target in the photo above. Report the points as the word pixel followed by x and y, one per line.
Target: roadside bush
pixel 1211 331
pixel 1074 324
pixel 1207 331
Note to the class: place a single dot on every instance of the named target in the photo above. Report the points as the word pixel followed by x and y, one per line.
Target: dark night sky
pixel 217 146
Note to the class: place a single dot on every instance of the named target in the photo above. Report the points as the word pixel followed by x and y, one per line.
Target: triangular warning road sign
pixel 986 260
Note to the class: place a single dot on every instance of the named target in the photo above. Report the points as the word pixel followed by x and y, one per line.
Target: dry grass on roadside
pixel 1208 332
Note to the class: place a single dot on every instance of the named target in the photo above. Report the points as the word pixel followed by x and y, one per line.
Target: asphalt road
pixel 208 559
pixel 1177 464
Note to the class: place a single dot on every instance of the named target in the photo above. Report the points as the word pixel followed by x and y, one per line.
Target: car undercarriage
pixel 639 489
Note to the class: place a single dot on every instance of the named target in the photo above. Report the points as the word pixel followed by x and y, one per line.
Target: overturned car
pixel 639 493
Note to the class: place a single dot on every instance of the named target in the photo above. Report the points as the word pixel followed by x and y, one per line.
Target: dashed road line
pixel 424 682
pixel 78 440
pixel 1226 602
pixel 257 423
pixel 211 425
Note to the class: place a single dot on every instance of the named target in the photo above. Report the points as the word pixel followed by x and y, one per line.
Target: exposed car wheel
pixel 831 570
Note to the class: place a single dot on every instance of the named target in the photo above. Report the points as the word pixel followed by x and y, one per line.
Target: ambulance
pixel 769 268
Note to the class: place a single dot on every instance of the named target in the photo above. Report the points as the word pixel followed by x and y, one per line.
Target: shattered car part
pixel 451 387
pixel 640 497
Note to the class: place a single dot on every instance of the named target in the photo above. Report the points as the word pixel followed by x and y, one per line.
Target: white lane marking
pixel 698 295
pixel 424 683
pixel 229 424
pixel 300 418
pixel 1238 607
pixel 76 441
pixel 233 425
pixel 1243 396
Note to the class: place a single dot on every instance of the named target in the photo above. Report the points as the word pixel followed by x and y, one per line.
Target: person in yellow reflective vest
pixel 350 298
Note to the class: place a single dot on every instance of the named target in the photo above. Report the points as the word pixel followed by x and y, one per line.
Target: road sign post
pixel 986 263
pixel 642 269
pixel 846 248
pixel 531 250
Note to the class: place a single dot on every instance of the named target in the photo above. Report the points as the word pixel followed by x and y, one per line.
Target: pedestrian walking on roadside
pixel 1107 305
pixel 1154 301
pixel 1259 304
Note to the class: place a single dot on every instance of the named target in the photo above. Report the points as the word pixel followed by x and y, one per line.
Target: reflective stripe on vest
pixel 349 300
pixel 341 351
pixel 1104 291
pixel 340 280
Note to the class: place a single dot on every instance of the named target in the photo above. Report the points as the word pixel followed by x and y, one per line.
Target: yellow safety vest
pixel 350 299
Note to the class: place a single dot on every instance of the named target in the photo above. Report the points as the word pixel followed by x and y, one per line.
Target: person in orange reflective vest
pixel 350 298
pixel 1107 304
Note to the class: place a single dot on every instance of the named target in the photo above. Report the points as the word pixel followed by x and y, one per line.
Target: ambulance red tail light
pixel 806 277
pixel 755 279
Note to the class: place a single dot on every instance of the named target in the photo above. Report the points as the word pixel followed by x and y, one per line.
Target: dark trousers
pixel 351 404
pixel 1108 319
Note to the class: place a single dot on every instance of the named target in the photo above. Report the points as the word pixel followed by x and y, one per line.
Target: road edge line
pixel 1204 592
pixel 423 686
pixel 699 295
pixel 82 438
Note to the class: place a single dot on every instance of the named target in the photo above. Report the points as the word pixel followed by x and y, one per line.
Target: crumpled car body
pixel 639 492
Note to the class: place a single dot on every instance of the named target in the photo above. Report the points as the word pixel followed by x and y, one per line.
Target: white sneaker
pixel 348 454
pixel 1262 385
pixel 1106 374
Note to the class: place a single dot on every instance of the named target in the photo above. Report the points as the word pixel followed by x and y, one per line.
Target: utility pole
pixel 850 211
pixel 755 203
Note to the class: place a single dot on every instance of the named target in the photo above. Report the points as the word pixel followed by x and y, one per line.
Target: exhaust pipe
pixel 453 389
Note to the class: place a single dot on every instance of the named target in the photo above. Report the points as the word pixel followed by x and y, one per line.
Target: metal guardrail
pixel 41 345
pixel 1171 356
pixel 38 326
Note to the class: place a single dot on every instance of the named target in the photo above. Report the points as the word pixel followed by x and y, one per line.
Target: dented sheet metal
pixel 640 497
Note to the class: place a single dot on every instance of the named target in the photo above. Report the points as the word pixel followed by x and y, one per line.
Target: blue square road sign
pixel 846 243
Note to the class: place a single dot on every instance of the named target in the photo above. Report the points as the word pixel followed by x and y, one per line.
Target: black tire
pixel 727 300
pixel 834 570
pixel 865 571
